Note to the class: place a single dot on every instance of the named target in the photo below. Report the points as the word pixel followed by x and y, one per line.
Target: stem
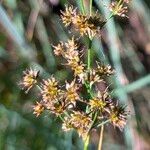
pixel 101 138
pixel 86 142
pixel 89 55
pixel 82 7
pixel 88 89
pixel 91 1
pixel 103 123
pixel 39 87
pixel 60 117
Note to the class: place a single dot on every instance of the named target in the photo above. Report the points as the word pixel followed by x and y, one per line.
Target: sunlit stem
pixel 82 7
pixel 103 123
pixel 91 2
pixel 39 87
pixel 86 143
pixel 101 138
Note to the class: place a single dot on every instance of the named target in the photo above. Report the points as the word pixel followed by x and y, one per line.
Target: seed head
pixel 38 109
pixel 50 89
pixel 29 79
pixel 71 94
pixel 119 8
pixel 68 15
pixel 86 25
pixel 59 49
pixel 118 116
pixel 104 70
pixel 79 121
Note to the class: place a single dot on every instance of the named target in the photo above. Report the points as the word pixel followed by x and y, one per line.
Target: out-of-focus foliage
pixel 28 28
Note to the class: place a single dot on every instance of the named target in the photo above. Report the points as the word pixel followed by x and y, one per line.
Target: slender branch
pixel 89 55
pixel 103 123
pixel 86 142
pixel 32 20
pixel 88 89
pixel 60 117
pixel 82 6
pixel 91 2
pixel 101 138
pixel 39 87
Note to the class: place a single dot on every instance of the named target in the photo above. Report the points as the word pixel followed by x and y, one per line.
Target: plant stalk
pixel 89 55
pixel 82 7
pixel 91 2
pixel 86 143
pixel 101 138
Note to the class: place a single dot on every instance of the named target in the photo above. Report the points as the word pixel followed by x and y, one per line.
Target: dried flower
pixel 38 109
pixel 67 126
pixel 68 15
pixel 119 8
pixel 104 70
pixel 59 49
pixel 86 25
pixel 102 102
pixel 71 94
pixel 118 116
pixel 29 79
pixel 79 121
pixel 50 89
pixel 59 108
pixel 97 104
pixel 89 26
pixel 93 77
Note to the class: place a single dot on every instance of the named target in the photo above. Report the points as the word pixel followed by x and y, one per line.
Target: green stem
pixel 101 138
pixel 88 89
pixel 91 2
pixel 94 119
pixel 39 87
pixel 86 142
pixel 61 118
pixel 89 55
pixel 101 124
pixel 82 7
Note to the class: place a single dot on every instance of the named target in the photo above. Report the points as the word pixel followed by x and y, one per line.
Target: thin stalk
pixel 60 117
pixel 88 89
pixel 82 7
pixel 91 2
pixel 39 87
pixel 101 138
pixel 89 55
pixel 86 143
pixel 103 123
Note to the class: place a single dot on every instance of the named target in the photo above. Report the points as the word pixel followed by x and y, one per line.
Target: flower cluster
pixel 29 79
pixel 119 7
pixel 64 101
pixel 85 24
pixel 70 52
pixel 79 121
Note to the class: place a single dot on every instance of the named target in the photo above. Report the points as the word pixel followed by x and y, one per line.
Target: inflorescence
pixel 64 100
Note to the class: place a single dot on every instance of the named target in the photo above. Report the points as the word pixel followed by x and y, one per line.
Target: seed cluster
pixel 65 101
pixel 119 7
pixel 85 24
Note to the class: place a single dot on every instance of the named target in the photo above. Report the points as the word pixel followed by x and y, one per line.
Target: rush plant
pixel 98 107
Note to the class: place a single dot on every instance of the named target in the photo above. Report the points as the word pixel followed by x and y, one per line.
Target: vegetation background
pixel 28 28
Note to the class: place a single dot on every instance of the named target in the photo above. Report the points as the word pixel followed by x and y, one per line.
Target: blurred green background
pixel 28 28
